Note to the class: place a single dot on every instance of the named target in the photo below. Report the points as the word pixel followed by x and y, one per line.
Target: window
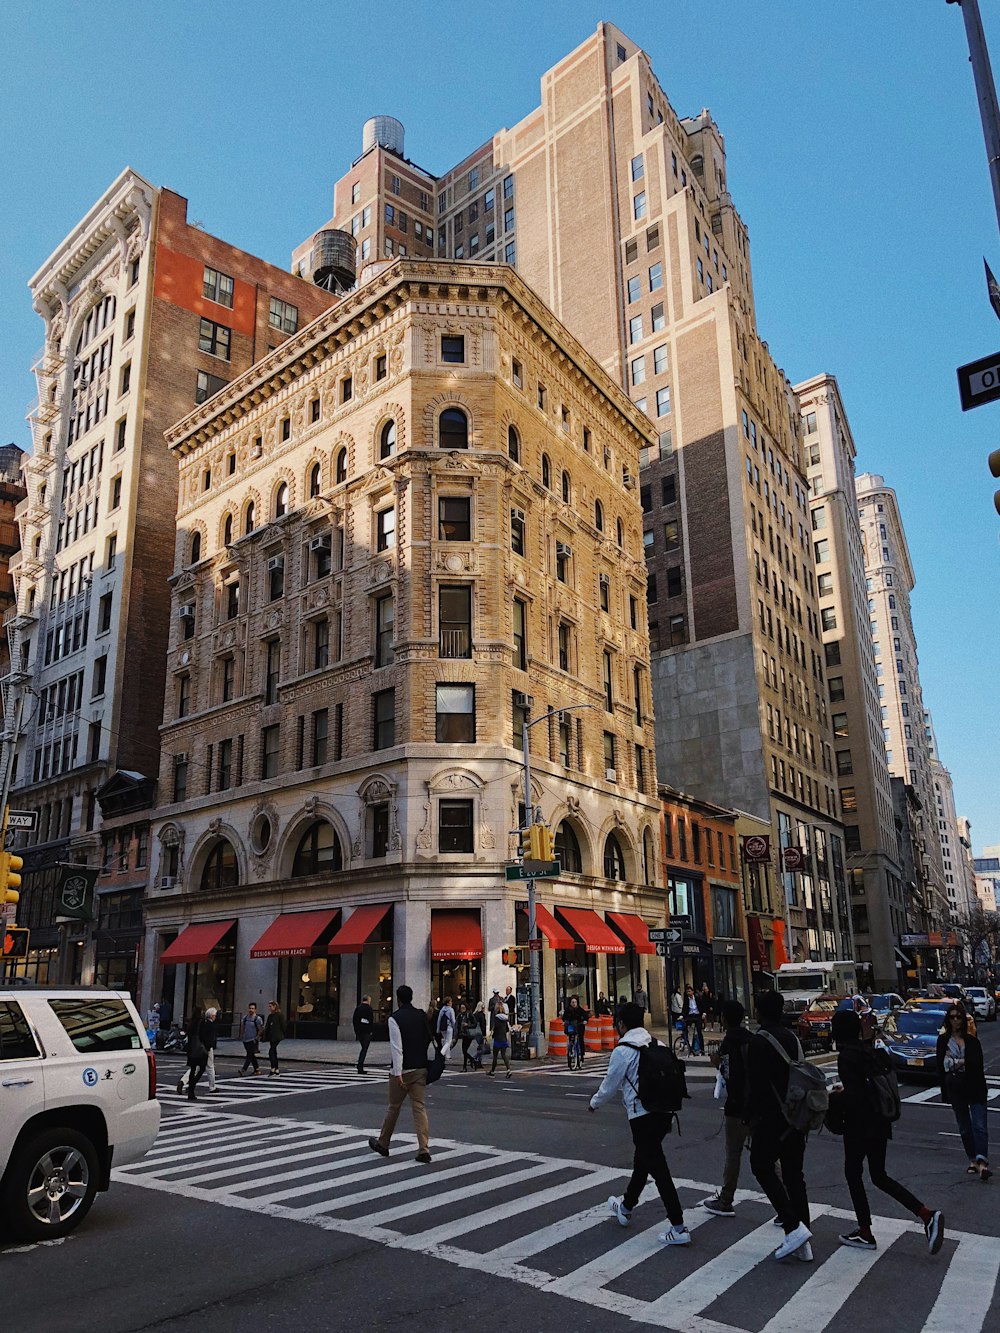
pixel 639 205
pixel 610 768
pixel 100 678
pixel 313 483
pixel 598 516
pixel 513 445
pixel 608 676
pixel 320 735
pixel 658 317
pixel 546 472
pixel 635 329
pixel 638 369
pixel 228 666
pixel 104 613
pixel 453 429
pixel 563 554
pixel 385 619
pixel 207 385
pixel 218 287
pixel 275 577
pixel 214 339
pixel 318 850
pixel 225 764
pixel 286 428
pixel 822 549
pixel 520 622
pixel 315 410
pixel 520 714
pixel 517 531
pixel 663 401
pixel 283 316
pixel 455 620
pixel 655 277
pixel 631 251
pixel 455 714
pixel 508 219
pixel 614 860
pixel 828 617
pixel 180 779
pixel 270 743
pixel 672 535
pixel 637 168
pixel 321 643
pixel 340 467
pixel 454 518
pixel 387 440
pixel 455 826
pixel 634 289
pixel 678 630
pixel 381 367
pixel 453 348
pixel 845 763
pixel 272 671
pixel 183 696
pixel 385 530
pixel 380 829
pixel 383 719
pixel 566 493
pixel 281 500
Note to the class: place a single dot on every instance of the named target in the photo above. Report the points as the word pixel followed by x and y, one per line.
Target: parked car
pixel 885 1003
pixel 77 1096
pixel 909 1037
pixel 983 1003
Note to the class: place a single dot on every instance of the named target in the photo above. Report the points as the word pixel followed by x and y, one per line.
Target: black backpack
pixel 661 1085
pixel 883 1087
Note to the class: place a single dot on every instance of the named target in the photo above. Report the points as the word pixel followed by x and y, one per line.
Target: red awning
pixel 597 935
pixel 293 934
pixel 195 943
pixel 353 934
pixel 456 934
pixel 634 929
pixel 557 935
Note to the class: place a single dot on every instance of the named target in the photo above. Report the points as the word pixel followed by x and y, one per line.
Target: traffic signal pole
pixel 536 1040
pixel 986 93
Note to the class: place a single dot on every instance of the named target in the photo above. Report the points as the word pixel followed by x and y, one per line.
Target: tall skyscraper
pixel 618 213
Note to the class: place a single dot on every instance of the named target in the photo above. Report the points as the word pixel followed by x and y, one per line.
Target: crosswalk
pixel 543 1221
pixel 596 1066
pixel 931 1096
pixel 244 1091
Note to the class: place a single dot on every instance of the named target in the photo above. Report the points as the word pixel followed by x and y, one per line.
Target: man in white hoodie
pixel 649 1128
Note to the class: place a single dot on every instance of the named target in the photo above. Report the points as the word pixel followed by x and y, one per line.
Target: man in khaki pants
pixel 409 1037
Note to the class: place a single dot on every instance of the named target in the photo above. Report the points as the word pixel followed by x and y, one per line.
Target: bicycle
pixel 574 1049
pixel 681 1042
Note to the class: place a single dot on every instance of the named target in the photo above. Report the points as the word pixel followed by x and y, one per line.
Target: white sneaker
pixel 804 1253
pixel 793 1241
pixel 621 1214
pixel 675 1236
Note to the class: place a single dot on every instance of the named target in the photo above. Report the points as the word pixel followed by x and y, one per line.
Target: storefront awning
pixel 558 936
pixel 195 943
pixel 456 934
pixel 634 929
pixel 597 935
pixel 353 934
pixel 293 934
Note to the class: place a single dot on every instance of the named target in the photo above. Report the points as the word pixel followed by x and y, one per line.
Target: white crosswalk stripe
pixel 543 1221
pixel 239 1091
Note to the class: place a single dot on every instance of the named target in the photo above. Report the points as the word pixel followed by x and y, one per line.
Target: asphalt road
pixel 262 1208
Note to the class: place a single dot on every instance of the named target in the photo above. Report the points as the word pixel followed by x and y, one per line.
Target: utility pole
pixel 986 92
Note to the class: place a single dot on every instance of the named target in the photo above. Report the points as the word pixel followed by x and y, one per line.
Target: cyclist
pixel 575 1022
pixel 693 1018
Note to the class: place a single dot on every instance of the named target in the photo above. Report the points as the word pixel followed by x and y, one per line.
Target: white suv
pixel 982 1002
pixel 77 1096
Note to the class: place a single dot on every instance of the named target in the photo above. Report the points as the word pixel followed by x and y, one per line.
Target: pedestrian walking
pixel 648 1128
pixel 731 1062
pixel 640 997
pixel 273 1033
pixel 363 1021
pixel 500 1036
pixel 208 1035
pixel 773 1141
pixel 706 1003
pixel 250 1026
pixel 463 1032
pixel 677 1008
pixel 197 1056
pixel 478 1026
pixel 410 1035
pixel 444 1028
pixel 603 1006
pixel 494 1001
pixel 962 1076
pixel 867 1131
pixel 692 1016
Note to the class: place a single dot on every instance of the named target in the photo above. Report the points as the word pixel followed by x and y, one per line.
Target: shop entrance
pixel 461 978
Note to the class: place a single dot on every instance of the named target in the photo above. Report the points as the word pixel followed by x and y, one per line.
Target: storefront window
pixel 576 974
pixel 461 978
pixel 375 972
pixel 309 994
pixel 624 974
pixel 724 912
pixel 685 900
pixel 210 984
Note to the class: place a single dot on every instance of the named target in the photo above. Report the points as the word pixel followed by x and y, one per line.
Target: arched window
pixel 648 864
pixel 598 516
pixel 195 548
pixel 250 518
pixel 546 472
pixel 227 531
pixel 567 850
pixel 315 476
pixel 566 492
pixel 453 429
pixel 221 869
pixel 340 467
pixel 281 500
pixel 387 440
pixel 318 850
pixel 620 533
pixel 614 861
pixel 513 445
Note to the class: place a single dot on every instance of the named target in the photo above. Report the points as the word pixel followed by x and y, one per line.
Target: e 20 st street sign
pixel 979 382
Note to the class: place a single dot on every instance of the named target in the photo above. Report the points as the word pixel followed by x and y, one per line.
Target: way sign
pixel 979 382
pixel 532 870
pixel 666 935
pixel 662 950
pixel 23 819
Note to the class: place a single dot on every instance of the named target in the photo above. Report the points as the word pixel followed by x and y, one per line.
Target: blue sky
pixel 854 153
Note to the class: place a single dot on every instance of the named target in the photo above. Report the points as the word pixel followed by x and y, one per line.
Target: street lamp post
pixel 979 58
pixel 535 1039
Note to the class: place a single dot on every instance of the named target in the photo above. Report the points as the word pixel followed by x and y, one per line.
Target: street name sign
pixel 532 870
pixel 979 382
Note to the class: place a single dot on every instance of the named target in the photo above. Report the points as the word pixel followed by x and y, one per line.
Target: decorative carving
pixel 424 836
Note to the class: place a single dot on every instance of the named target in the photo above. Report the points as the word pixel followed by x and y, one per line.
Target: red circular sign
pixel 756 847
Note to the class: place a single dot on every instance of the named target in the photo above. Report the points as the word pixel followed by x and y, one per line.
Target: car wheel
pixel 50 1185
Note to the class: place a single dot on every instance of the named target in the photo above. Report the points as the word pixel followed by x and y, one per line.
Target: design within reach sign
pixel 979 382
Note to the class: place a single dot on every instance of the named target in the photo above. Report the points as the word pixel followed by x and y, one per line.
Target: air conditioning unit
pixel 522 700
pixel 319 543
pixel 275 562
pixel 628 481
pixel 565 718
pixel 517 514
pixel 563 550
pixel 181 758
pixel 186 612
pixel 611 774
pixel 167 881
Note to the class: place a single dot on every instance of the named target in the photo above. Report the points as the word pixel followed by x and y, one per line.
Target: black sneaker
pixel 717 1208
pixel 859 1240
pixel 377 1147
pixel 934 1228
pixel 424 1157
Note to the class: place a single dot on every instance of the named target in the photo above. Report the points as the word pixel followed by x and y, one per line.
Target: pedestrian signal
pixel 15 942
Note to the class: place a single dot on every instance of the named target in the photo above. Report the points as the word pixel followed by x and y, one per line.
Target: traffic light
pixel 995 469
pixel 10 879
pixel 540 846
pixel 14 942
pixel 514 956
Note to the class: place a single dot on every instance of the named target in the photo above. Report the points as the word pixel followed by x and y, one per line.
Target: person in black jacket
pixel 410 1034
pixel 866 1136
pixel 197 1055
pixel 208 1035
pixel 273 1033
pixel 363 1020
pixel 772 1139
pixel 732 1064
pixel 962 1076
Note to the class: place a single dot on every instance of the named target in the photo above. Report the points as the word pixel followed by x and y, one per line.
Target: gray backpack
pixel 807 1100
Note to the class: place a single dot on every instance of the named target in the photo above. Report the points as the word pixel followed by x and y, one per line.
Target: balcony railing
pixel 455 643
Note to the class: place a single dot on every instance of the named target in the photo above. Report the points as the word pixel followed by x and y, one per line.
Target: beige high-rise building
pixel 878 902
pixel 890 581
pixel 618 213
pixel 400 537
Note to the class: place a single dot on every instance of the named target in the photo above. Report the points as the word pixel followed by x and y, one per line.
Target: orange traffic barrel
pixel 593 1036
pixel 606 1027
pixel 557 1037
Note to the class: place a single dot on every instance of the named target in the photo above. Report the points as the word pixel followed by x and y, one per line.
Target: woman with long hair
pixel 963 1083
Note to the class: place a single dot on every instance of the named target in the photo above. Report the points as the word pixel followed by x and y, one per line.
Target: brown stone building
pixel 12 492
pixel 145 315
pixel 401 536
